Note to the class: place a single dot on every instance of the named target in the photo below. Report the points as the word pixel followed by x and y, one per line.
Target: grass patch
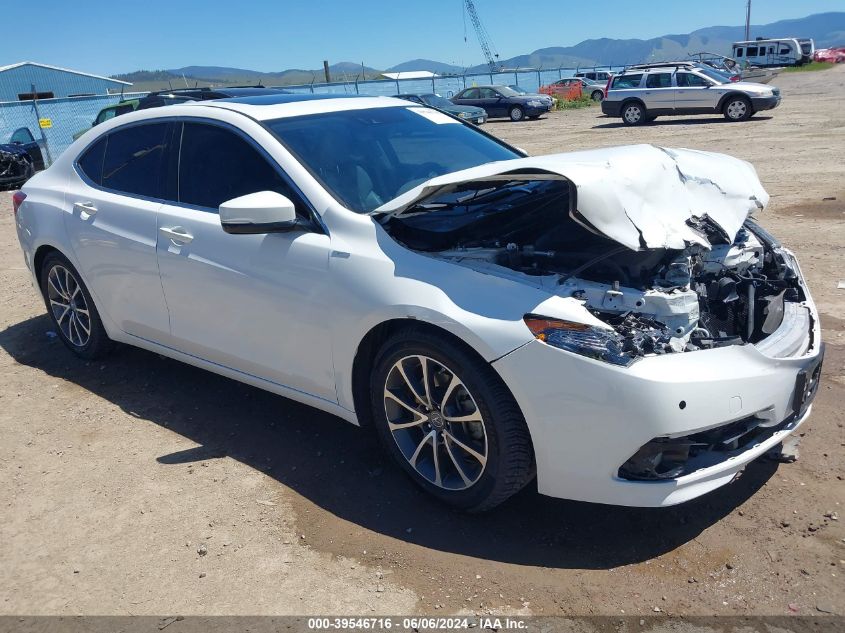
pixel 584 102
pixel 809 67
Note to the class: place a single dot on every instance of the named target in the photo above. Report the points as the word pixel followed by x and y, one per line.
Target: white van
pixel 786 51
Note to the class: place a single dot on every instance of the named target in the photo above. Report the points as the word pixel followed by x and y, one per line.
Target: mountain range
pixel 827 29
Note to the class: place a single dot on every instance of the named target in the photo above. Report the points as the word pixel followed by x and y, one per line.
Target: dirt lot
pixel 116 474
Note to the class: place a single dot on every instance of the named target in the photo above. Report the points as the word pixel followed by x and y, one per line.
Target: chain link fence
pixel 53 124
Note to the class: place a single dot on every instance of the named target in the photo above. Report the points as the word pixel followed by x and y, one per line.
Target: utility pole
pixel 748 21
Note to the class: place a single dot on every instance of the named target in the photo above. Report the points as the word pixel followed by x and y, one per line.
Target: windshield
pixel 366 157
pixel 518 90
pixel 438 102
pixel 715 75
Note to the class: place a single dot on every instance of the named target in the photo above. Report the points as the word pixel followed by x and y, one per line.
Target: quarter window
pixel 658 80
pixel 91 162
pixel 627 81
pixel 216 165
pixel 134 159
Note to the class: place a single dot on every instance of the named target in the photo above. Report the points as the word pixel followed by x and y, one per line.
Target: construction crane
pixel 487 48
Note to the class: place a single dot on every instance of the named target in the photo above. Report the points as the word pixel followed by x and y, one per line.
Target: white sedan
pixel 611 321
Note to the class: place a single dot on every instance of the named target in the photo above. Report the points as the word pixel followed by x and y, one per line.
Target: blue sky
pixel 109 37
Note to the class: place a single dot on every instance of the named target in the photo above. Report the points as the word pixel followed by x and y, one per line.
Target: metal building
pixel 51 82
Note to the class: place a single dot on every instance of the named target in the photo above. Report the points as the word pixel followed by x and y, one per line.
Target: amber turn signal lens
pixel 540 325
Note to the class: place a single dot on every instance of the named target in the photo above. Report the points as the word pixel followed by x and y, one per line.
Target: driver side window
pixel 216 165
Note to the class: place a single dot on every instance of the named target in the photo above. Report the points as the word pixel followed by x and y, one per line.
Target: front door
pixel 493 103
pixel 695 92
pixel 259 304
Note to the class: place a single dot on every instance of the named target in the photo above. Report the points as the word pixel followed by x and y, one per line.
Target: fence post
pixel 397 86
pixel 432 84
pixel 41 129
pixel 356 86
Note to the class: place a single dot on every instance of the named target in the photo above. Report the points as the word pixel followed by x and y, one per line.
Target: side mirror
pixel 262 212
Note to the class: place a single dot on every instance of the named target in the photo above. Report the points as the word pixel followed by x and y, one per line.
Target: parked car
pixel 640 95
pixel 24 139
pixel 470 113
pixel 183 95
pixel 595 75
pixel 612 320
pixel 501 101
pixel 568 89
pixel 15 166
pixel 109 112
pixel 523 92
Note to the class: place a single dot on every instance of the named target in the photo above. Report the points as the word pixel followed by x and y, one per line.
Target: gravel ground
pixel 139 485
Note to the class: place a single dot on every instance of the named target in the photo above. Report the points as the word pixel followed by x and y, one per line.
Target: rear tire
pixel 71 309
pixel 516 114
pixel 597 95
pixel 634 113
pixel 466 406
pixel 737 109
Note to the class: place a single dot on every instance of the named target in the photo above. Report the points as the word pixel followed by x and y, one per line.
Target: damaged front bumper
pixel 589 419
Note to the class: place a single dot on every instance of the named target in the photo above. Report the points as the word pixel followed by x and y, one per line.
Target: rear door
pixel 111 223
pixel 659 94
pixel 259 304
pixel 470 96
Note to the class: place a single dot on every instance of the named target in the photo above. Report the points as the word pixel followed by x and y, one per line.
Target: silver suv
pixel 642 93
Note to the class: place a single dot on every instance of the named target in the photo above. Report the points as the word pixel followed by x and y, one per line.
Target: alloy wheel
pixel 68 305
pixel 633 114
pixel 737 109
pixel 435 422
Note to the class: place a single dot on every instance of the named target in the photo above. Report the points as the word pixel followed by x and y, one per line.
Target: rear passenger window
pixel 216 165
pixel 627 81
pixel 658 80
pixel 135 159
pixel 91 162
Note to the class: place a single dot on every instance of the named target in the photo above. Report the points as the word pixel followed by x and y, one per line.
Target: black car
pixel 19 159
pixel 182 95
pixel 468 113
pixel 502 101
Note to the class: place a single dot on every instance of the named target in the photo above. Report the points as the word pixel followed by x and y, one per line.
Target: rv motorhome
pixel 787 51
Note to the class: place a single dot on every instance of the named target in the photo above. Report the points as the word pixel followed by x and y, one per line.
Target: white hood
pixel 641 196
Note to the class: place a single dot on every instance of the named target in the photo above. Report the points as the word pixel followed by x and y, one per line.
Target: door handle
pixel 176 234
pixel 87 208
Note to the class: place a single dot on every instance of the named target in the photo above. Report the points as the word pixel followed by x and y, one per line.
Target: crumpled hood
pixel 641 196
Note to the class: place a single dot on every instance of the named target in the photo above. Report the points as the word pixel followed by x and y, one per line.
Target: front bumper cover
pixel 588 418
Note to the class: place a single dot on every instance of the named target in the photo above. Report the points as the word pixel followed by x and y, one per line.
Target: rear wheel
pixel 72 309
pixel 597 95
pixel 449 421
pixel 737 109
pixel 634 113
pixel 517 113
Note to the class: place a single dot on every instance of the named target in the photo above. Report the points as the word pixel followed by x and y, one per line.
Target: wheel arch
pixel 371 343
pixel 732 95
pixel 631 100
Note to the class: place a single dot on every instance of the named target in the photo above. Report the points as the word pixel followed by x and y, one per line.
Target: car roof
pixel 276 106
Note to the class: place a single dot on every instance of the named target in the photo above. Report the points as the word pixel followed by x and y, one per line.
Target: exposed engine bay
pixel 722 290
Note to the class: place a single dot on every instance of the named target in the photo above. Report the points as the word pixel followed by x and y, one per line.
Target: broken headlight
pixel 586 340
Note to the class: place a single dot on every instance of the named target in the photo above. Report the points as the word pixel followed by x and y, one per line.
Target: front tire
pixel 71 308
pixel 737 109
pixel 516 114
pixel 449 421
pixel 634 113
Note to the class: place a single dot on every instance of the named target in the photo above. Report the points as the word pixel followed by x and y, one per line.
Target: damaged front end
pixel 655 244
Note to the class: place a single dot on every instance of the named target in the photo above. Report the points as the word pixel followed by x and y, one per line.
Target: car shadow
pixel 341 469
pixel 680 121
